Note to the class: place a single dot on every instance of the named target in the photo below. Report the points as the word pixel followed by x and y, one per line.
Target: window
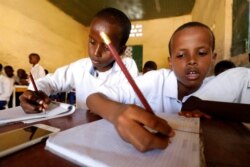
pixel 136 30
pixel 241 34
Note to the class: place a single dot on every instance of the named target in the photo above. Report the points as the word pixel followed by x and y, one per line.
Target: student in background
pixel 46 71
pixel 191 56
pixel 222 66
pixel 6 87
pixel 86 74
pixel 148 66
pixel 9 71
pixel 23 78
pixel 248 63
pixel 36 70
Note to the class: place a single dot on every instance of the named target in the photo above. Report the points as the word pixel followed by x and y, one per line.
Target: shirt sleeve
pixel 124 93
pixel 230 86
pixel 131 66
pixel 7 89
pixel 60 81
pixel 41 72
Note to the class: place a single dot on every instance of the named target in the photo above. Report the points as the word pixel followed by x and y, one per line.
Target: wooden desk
pixel 225 144
pixel 18 88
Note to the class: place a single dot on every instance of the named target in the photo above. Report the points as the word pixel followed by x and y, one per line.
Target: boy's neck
pixel 104 69
pixel 183 91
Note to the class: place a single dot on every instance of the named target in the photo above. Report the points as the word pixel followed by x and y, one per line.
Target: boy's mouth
pixel 192 75
pixel 95 61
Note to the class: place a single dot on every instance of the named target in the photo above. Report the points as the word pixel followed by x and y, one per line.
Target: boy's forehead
pixel 34 56
pixel 101 25
pixel 190 32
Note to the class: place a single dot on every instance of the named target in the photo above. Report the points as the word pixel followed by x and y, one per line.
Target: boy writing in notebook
pixel 191 55
pixel 87 74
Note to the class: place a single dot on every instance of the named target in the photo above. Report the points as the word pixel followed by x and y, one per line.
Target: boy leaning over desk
pixel 86 74
pixel 191 56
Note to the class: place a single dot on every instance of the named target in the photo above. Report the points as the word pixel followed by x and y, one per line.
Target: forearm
pixel 104 107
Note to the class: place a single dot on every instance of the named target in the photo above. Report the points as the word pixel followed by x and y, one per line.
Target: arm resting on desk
pixel 224 110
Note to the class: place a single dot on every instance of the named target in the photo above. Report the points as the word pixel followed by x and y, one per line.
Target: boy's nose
pixel 98 51
pixel 192 60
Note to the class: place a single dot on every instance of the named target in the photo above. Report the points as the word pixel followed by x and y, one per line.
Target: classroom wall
pixel 38 26
pixel 218 16
pixel 156 35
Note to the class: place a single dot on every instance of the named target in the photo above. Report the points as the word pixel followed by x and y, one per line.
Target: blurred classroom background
pixel 58 29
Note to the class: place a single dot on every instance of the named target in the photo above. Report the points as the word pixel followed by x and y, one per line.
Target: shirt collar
pixel 171 88
pixel 35 65
pixel 114 68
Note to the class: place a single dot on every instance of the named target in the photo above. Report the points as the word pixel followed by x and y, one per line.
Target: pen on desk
pixel 34 85
pixel 125 71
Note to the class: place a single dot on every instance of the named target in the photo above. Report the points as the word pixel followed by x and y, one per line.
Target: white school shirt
pixel 81 76
pixel 159 87
pixel 6 88
pixel 233 85
pixel 37 71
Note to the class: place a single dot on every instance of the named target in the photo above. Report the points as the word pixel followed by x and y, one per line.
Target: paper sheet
pixel 16 114
pixel 98 144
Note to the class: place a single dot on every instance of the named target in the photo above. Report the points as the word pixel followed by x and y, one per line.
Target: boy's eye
pixel 105 48
pixel 180 55
pixel 91 41
pixel 202 53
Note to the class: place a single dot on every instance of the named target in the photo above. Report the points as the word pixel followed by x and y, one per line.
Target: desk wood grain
pixel 225 143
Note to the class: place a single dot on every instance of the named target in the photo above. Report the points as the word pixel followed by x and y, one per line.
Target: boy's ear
pixel 122 49
pixel 170 62
pixel 214 56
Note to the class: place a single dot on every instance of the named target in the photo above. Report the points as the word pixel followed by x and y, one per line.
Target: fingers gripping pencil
pixel 36 90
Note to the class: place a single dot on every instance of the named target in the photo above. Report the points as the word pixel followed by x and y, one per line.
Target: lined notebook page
pixel 181 123
pixel 98 144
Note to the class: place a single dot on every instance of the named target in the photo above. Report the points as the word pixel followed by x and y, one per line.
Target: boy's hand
pixel 130 123
pixel 34 102
pixel 194 113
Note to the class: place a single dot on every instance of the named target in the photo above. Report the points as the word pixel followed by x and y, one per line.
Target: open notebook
pixel 98 144
pixel 16 114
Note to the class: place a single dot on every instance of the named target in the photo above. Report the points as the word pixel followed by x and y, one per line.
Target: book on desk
pixel 17 114
pixel 98 144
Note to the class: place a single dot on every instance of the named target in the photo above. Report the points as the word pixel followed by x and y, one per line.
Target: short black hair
pixel 1 67
pixel 115 16
pixel 192 24
pixel 34 54
pixel 8 68
pixel 222 66
pixel 151 65
pixel 9 71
